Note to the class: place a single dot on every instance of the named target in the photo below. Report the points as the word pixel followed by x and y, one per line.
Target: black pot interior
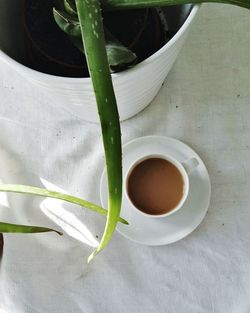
pixel 13 38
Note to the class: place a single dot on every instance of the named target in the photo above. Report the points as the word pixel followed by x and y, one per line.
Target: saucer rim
pixel 182 235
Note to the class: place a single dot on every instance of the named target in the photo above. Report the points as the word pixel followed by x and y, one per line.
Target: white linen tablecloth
pixel 205 103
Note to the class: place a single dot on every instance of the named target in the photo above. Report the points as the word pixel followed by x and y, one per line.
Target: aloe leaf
pixel 23 189
pixel 69 24
pixel 119 56
pixel 70 7
pixel 89 14
pixel 15 228
pixel 138 4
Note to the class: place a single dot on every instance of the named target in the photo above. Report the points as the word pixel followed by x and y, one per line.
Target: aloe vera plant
pixel 96 52
pixel 30 190
pixel 82 21
pixel 89 14
pixel 26 229
pixel 119 56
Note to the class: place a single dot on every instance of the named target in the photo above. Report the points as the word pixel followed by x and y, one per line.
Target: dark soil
pixel 51 51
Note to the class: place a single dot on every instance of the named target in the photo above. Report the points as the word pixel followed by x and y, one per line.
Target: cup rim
pixel 177 164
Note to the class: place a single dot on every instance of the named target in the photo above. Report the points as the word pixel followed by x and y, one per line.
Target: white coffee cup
pixel 185 168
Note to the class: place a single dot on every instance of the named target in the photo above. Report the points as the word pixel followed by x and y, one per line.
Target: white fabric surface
pixel 205 103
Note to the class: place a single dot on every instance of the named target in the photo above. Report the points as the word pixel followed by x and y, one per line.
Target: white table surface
pixel 205 103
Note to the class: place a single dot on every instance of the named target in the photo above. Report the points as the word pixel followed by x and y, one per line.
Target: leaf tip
pixel 59 233
pixel 123 221
pixel 92 256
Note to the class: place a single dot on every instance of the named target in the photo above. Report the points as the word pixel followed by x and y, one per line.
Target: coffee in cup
pixel 158 185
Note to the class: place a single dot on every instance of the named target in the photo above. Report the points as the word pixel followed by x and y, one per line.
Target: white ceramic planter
pixel 135 88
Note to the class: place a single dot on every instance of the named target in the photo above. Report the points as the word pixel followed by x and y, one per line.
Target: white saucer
pixel 161 231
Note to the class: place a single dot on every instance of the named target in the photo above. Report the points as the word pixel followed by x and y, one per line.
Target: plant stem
pixel 138 4
pixel 89 14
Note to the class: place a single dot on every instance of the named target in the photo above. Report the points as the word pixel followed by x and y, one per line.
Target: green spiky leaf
pixel 70 7
pixel 119 56
pixel 25 229
pixel 23 189
pixel 89 14
pixel 68 23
